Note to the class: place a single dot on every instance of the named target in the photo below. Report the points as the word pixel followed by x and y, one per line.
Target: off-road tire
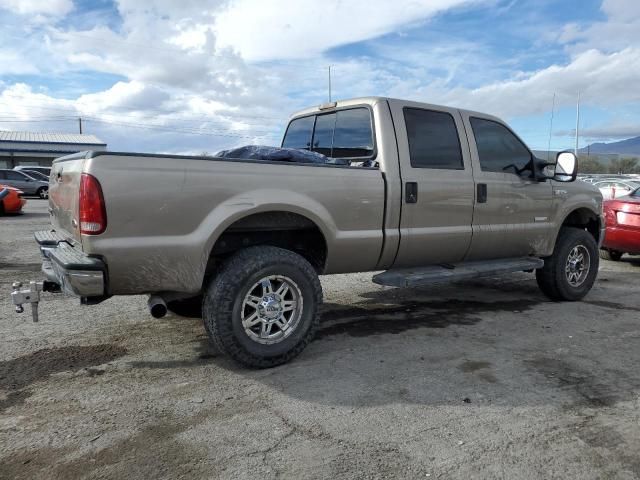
pixel 224 295
pixel 187 307
pixel 612 255
pixel 552 278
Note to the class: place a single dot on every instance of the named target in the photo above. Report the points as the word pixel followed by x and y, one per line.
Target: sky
pixel 195 76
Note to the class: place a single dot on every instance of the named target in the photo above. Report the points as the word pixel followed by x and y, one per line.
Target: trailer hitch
pixel 31 294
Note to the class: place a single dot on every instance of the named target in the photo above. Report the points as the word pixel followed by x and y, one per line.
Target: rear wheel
pixel 43 192
pixel 261 308
pixel 570 272
pixel 612 255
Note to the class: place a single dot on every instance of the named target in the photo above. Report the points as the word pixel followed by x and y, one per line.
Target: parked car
pixel 425 192
pixel 613 188
pixel 11 200
pixel 622 220
pixel 44 170
pixel 24 182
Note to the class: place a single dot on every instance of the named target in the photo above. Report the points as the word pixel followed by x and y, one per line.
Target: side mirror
pixel 566 167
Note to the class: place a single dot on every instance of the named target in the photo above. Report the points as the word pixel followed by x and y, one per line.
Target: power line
pixel 178 130
pixel 74 110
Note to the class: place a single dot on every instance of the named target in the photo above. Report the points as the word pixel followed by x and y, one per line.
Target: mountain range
pixel 630 146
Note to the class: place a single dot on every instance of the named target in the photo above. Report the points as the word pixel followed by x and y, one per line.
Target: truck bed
pixel 165 212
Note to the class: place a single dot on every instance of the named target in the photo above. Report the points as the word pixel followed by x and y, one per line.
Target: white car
pixel 616 188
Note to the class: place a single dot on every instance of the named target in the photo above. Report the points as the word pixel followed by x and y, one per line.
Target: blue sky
pixel 195 75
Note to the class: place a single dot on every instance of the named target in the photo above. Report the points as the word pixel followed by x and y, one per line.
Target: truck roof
pixel 372 100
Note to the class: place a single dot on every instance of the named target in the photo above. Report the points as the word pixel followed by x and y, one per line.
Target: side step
pixel 414 277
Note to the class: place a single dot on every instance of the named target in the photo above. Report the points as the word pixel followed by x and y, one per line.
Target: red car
pixel 622 218
pixel 11 200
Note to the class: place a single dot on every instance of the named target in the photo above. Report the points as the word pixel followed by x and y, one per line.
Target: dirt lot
pixel 483 379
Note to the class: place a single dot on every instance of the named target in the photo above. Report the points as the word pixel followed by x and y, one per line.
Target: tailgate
pixel 64 192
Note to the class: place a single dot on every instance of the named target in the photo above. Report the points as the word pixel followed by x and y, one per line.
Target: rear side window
pixel 498 148
pixel 341 134
pixel 433 139
pixel 299 134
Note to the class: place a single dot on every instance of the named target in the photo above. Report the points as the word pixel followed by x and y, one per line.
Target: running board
pixel 414 277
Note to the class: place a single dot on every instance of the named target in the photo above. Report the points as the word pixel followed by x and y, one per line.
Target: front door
pixel 437 182
pixel 512 214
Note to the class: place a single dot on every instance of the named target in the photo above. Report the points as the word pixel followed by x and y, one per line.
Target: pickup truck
pixel 423 193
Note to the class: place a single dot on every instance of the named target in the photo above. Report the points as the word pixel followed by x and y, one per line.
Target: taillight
pixel 93 214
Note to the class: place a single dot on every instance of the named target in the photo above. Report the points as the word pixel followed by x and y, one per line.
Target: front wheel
pixel 261 308
pixel 570 272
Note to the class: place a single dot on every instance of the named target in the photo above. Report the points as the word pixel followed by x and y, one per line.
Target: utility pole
pixel 329 83
pixel 577 123
pixel 80 124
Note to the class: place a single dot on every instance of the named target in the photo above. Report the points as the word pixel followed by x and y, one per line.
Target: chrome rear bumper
pixel 77 273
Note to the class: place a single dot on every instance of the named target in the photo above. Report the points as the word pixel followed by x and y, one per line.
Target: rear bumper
pixel 77 273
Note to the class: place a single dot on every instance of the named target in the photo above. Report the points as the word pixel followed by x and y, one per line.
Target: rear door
pixel 437 179
pixel 513 211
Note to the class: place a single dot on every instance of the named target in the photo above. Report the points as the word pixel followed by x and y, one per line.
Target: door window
pixel 498 148
pixel 433 139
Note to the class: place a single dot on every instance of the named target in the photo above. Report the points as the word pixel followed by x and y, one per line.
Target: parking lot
pixel 480 379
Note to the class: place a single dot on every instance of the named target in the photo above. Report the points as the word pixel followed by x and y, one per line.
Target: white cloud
pixel 602 80
pixel 280 29
pixel 57 8
pixel 190 66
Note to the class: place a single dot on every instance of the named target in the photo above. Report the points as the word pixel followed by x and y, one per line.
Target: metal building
pixel 30 148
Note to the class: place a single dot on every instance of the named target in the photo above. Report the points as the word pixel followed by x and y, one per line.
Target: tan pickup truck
pixel 422 192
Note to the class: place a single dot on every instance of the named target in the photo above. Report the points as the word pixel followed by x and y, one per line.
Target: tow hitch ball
pixel 31 294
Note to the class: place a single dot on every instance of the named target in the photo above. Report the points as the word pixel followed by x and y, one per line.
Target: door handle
pixel 411 192
pixel 481 195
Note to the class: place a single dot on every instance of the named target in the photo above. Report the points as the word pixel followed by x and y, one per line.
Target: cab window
pixel 341 134
pixel 299 134
pixel 498 148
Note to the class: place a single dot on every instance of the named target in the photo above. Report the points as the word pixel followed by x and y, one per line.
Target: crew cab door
pixel 513 211
pixel 437 185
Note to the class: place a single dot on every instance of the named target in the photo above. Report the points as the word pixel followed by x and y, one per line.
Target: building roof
pixel 50 138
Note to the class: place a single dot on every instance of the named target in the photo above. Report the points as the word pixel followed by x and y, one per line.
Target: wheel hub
pixel 270 308
pixel 578 265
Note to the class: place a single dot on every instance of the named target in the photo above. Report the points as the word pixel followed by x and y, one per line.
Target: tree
pixel 624 165
pixel 590 165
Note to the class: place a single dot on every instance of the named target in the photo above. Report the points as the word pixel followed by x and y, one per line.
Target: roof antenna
pixel 329 83
pixel 577 123
pixel 553 107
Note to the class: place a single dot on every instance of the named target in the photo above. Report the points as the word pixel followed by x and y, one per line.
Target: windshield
pixel 635 193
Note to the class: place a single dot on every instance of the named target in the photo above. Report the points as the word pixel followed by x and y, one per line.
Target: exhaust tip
pixel 157 306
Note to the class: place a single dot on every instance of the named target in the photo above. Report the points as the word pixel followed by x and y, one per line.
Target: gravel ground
pixel 482 379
